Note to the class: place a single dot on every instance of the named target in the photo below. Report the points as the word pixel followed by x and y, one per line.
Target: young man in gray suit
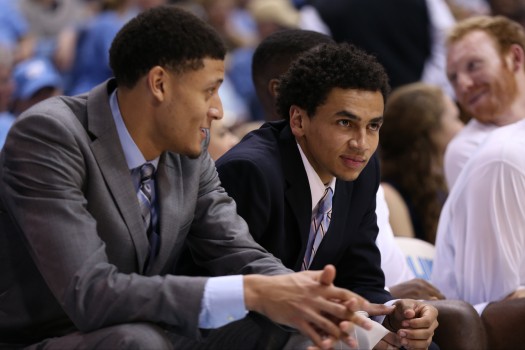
pixel 98 193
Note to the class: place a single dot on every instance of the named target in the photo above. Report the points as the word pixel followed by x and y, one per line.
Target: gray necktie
pixel 147 209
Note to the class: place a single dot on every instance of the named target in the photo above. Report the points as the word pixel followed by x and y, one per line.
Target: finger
pixel 323 325
pixel 352 301
pixel 415 339
pixel 327 275
pixel 406 307
pixel 392 339
pixel 315 335
pixel 379 309
pixel 348 330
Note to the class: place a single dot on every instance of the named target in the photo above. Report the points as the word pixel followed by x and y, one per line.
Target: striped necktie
pixel 147 209
pixel 318 227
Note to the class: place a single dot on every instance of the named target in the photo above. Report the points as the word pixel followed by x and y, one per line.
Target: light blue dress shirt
pixel 223 300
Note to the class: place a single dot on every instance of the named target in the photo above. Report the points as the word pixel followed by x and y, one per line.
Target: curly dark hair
pixel 165 36
pixel 315 73
pixel 410 159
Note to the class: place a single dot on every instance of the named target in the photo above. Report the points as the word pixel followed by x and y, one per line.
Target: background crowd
pixel 60 47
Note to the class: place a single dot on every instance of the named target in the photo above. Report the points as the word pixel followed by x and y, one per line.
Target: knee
pixel 138 336
pixel 457 312
pixel 460 326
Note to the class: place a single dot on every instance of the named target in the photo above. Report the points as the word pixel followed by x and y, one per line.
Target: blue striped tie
pixel 147 208
pixel 318 227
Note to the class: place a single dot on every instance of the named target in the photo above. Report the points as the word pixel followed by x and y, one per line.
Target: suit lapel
pixel 297 193
pixel 110 158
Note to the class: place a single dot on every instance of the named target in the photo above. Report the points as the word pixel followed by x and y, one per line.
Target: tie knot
pixel 146 171
pixel 325 204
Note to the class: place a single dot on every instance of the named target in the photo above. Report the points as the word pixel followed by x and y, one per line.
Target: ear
pixel 273 85
pixel 298 120
pixel 515 58
pixel 158 82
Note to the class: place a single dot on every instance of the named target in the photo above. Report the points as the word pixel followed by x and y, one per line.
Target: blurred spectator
pixel 91 65
pixel 36 79
pixel 513 9
pixel 221 139
pixel 468 8
pixel 270 16
pixel 481 234
pixel 6 90
pixel 14 31
pixel 48 18
pixel 407 36
pixel 420 121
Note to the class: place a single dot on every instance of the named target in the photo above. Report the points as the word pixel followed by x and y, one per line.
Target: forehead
pixel 475 44
pixel 211 71
pixel 364 104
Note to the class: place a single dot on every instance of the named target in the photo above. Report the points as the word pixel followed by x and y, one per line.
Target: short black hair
pixel 165 36
pixel 273 55
pixel 315 73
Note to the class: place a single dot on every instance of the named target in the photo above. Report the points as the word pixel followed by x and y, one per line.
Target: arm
pixel 399 215
pixel 47 171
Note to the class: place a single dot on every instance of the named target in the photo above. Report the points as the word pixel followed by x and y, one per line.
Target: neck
pixel 137 113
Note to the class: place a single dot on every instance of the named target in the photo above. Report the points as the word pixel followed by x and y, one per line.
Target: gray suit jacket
pixel 72 241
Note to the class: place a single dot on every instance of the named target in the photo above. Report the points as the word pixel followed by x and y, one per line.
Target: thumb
pixel 327 275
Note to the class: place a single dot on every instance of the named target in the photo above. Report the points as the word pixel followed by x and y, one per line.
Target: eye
pixel 375 126
pixel 453 77
pixel 473 66
pixel 344 122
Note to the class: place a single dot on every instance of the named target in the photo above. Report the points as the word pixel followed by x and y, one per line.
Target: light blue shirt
pixel 6 121
pixel 223 299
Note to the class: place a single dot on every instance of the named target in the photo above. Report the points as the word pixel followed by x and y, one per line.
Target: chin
pixel 194 155
pixel 348 176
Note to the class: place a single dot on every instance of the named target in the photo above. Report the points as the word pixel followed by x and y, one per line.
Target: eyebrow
pixel 352 116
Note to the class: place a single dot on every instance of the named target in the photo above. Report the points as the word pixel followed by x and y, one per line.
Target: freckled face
pixel 191 105
pixel 482 79
pixel 342 135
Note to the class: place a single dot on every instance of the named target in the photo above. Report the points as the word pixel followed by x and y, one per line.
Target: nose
pixel 215 112
pixel 463 83
pixel 358 140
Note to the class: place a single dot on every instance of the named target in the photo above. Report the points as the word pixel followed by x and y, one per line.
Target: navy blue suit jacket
pixel 265 175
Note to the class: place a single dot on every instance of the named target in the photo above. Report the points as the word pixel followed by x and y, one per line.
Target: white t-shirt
pixel 480 245
pixel 462 146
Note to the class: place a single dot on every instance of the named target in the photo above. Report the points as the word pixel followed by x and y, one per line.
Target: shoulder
pixel 258 147
pixel 505 145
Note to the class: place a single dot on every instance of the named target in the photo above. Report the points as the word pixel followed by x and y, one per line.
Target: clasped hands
pixel 309 302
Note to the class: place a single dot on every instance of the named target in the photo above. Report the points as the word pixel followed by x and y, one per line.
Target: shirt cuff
pixel 222 302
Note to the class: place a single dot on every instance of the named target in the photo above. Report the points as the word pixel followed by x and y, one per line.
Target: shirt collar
pixel 317 187
pixel 132 153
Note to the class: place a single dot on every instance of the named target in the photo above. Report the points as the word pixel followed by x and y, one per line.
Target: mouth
pixel 205 135
pixel 355 162
pixel 475 97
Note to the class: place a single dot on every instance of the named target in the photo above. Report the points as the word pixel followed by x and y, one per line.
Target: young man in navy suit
pixel 332 100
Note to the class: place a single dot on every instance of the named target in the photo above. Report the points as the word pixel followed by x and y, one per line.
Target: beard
pixel 503 92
